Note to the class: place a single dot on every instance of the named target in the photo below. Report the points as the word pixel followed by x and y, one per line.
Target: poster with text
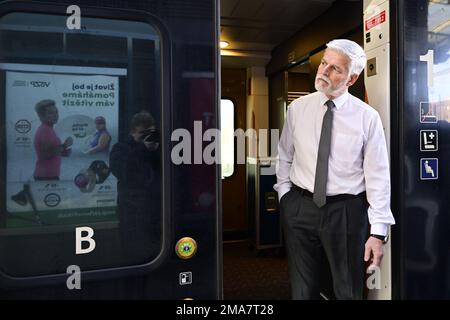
pixel 58 153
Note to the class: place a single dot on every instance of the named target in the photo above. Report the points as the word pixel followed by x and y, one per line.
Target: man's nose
pixel 326 70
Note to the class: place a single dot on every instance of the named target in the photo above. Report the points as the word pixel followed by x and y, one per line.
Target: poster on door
pixel 59 131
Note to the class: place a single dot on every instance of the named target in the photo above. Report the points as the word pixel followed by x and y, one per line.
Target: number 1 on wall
pixel 429 58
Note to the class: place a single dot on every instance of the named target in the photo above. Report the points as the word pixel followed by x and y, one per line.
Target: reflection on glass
pixel 136 164
pixel 439 43
pixel 63 98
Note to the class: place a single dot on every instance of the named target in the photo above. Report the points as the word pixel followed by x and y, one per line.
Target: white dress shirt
pixel 358 157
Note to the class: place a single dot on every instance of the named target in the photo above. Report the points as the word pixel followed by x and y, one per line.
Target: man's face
pixel 333 76
pixel 138 135
pixel 137 132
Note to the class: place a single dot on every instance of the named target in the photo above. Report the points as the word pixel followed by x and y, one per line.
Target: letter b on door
pixel 79 239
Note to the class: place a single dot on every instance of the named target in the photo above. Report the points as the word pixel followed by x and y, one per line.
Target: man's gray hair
pixel 352 50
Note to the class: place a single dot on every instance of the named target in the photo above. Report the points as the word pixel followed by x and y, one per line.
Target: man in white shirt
pixel 332 179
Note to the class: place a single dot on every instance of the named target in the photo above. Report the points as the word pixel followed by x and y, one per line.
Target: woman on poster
pixel 47 145
pixel 100 141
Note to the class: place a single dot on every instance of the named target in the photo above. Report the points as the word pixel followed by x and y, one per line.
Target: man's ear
pixel 352 80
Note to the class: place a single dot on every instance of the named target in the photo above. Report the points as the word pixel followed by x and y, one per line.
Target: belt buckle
pixel 302 191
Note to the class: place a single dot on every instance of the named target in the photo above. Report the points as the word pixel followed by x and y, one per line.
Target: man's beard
pixel 328 89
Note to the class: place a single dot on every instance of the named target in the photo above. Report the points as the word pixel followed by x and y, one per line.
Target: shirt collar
pixel 338 102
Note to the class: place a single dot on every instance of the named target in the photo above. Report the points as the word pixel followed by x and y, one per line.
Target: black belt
pixel 339 197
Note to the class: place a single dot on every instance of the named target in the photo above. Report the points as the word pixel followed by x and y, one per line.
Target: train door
pixel 407 44
pixel 422 239
pixel 106 190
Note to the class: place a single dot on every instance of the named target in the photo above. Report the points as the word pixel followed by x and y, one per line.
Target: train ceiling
pixel 254 27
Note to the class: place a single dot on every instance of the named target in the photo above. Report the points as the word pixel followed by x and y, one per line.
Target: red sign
pixel 376 20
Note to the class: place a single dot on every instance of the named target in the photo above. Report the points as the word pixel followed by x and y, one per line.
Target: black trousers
pixel 334 234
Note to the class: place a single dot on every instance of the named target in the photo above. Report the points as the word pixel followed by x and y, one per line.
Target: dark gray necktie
pixel 320 183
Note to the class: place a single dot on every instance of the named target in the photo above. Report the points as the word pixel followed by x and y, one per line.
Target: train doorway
pixel 255 262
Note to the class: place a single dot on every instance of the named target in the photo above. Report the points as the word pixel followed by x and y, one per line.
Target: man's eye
pixel 336 69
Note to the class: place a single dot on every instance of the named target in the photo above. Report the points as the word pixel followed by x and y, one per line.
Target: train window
pixel 227 137
pixel 82 119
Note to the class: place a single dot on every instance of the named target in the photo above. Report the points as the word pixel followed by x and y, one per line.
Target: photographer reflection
pixel 136 165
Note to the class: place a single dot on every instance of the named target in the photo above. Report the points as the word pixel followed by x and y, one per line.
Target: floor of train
pixel 251 274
